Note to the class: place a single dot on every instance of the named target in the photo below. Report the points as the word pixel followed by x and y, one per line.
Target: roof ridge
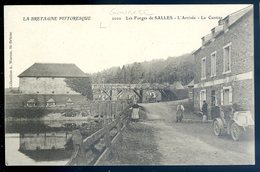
pixel 53 70
pixel 53 63
pixel 239 10
pixel 237 20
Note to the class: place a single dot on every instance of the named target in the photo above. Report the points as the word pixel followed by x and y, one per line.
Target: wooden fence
pixel 92 149
pixel 108 109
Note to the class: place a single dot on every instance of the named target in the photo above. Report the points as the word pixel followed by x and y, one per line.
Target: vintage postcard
pixel 129 85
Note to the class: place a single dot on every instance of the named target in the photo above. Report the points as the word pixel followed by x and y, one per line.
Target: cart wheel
pixel 235 131
pixel 217 129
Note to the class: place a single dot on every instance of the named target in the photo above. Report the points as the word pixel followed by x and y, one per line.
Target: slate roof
pixel 176 85
pixel 31 101
pixel 53 70
pixel 191 84
pixel 51 100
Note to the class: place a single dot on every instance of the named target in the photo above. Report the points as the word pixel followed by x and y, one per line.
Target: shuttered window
pixel 227 58
pixel 203 68
pixel 226 96
pixel 213 64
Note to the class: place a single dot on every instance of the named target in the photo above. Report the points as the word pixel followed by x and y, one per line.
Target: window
pixel 226 24
pixel 202 97
pixel 31 103
pixel 51 103
pixel 213 64
pixel 227 58
pixel 69 102
pixel 203 68
pixel 226 96
pixel 227 21
pixel 213 31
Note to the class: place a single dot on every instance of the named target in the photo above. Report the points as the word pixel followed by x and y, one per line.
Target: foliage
pixel 156 71
pixel 81 85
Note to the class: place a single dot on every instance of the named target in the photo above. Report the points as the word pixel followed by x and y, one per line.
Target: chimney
pixel 226 23
pixel 213 31
pixel 203 40
pixel 220 22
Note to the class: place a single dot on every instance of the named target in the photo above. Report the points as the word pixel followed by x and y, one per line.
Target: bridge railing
pixel 92 149
pixel 129 86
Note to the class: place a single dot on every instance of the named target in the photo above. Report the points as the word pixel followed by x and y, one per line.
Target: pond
pixel 43 142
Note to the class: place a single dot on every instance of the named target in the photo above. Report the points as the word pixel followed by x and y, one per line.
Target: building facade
pixel 44 85
pixel 224 64
pixel 48 78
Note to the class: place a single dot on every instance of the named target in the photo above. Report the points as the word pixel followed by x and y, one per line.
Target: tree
pixel 137 73
pixel 156 71
pixel 81 85
pixel 124 73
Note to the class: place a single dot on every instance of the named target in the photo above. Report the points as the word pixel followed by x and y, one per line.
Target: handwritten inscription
pixel 144 15
pixel 116 11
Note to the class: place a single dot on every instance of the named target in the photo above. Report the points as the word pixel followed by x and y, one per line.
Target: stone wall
pixel 44 85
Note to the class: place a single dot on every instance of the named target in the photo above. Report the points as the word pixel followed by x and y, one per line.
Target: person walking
pixel 205 110
pixel 180 111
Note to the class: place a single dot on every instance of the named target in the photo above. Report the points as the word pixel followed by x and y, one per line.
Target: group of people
pixel 179 113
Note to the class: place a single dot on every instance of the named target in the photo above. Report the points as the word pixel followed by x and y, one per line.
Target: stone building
pixel 48 78
pixel 224 63
pixel 44 85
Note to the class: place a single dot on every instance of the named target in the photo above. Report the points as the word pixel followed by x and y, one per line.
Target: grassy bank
pixel 137 146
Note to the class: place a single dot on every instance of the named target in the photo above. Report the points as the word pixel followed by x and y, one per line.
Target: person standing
pixel 135 112
pixel 79 151
pixel 205 110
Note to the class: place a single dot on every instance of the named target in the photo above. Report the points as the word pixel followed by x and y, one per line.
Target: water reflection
pixel 49 140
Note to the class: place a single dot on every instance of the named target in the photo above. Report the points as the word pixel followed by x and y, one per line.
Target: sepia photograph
pixel 129 85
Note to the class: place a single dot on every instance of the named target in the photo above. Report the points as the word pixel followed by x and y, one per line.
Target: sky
pixel 101 43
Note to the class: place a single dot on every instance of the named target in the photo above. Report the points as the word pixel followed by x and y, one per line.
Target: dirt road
pixel 158 140
pixel 193 143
